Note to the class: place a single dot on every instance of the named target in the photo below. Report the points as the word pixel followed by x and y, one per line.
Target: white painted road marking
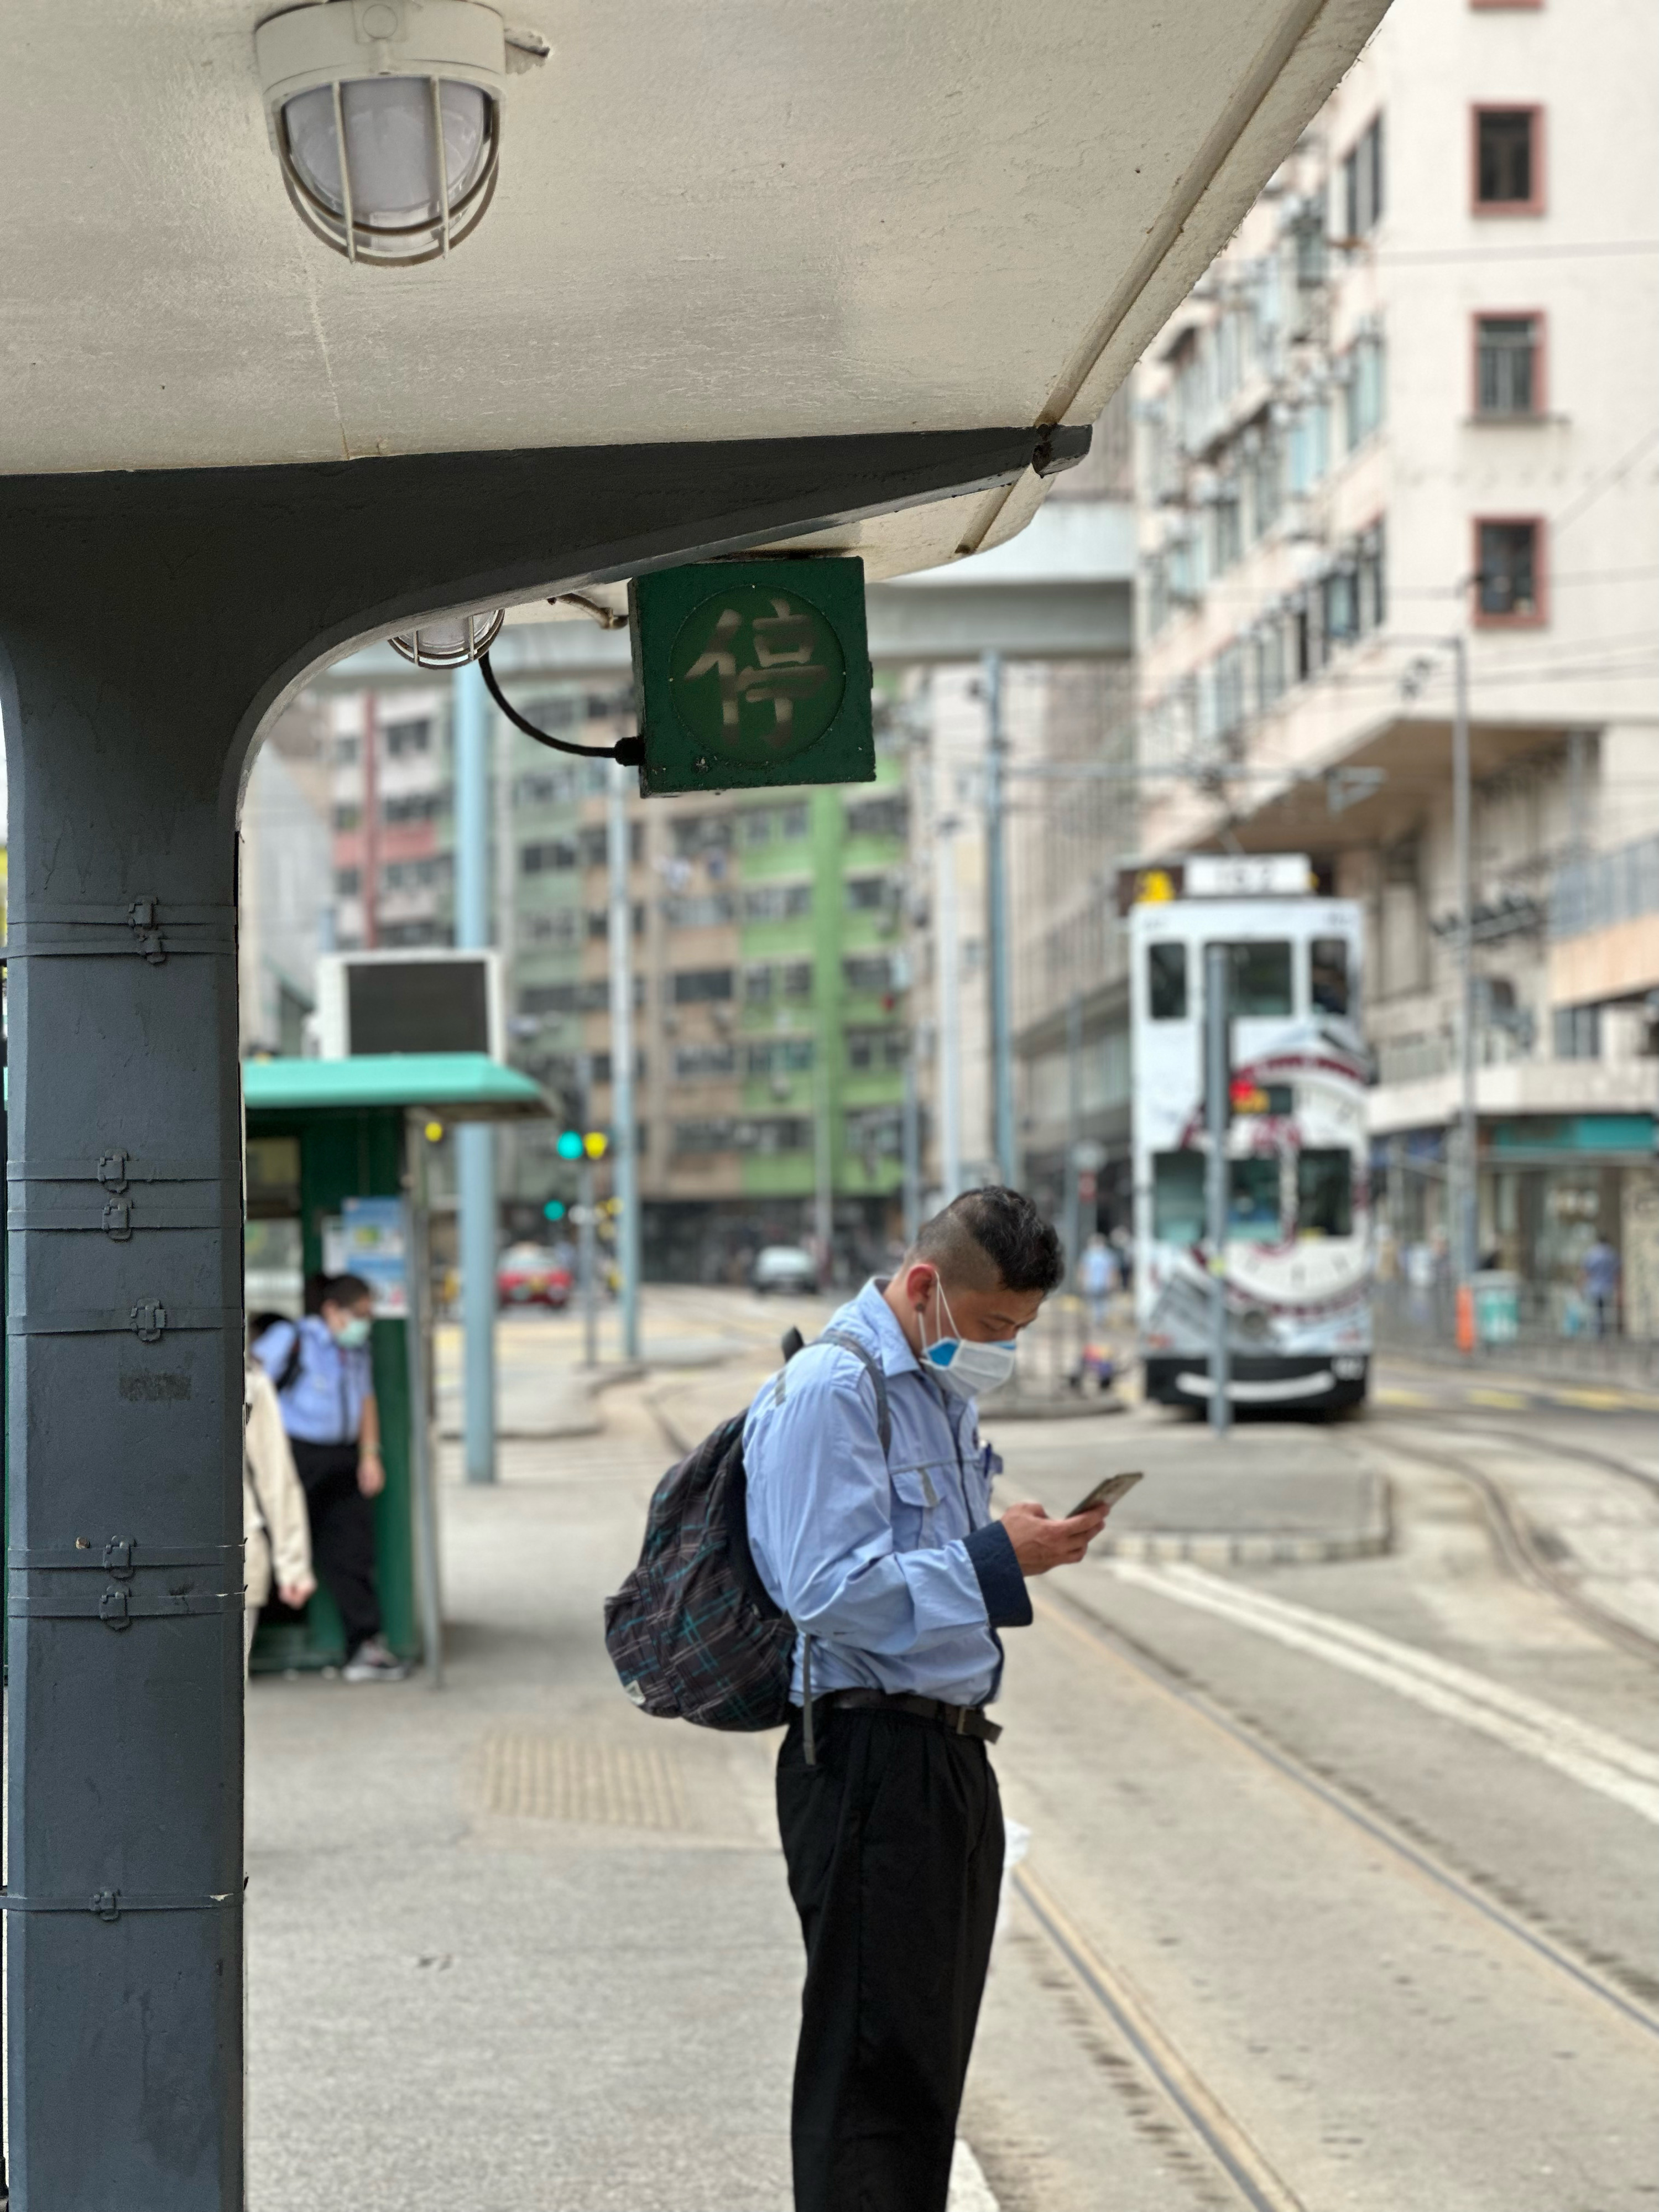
pixel 969 2190
pixel 1590 1756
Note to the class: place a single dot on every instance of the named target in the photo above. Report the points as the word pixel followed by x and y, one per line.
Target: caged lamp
pixel 386 115
pixel 452 642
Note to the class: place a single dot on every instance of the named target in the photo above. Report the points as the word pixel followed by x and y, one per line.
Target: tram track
pixel 1517 1541
pixel 1112 1645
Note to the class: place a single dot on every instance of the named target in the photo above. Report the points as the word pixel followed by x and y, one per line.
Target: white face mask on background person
pixel 967 1369
pixel 352 1333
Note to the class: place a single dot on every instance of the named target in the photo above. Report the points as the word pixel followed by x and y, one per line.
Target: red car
pixel 526 1275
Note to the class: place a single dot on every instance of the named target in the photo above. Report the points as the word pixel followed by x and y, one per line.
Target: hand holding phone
pixel 1107 1492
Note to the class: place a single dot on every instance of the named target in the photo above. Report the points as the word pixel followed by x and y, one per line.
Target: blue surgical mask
pixel 352 1334
pixel 967 1369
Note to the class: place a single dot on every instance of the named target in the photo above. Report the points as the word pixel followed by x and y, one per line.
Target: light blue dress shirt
pixel 323 1404
pixel 891 1564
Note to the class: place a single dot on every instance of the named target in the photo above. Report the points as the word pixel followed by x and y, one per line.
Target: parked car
pixel 528 1275
pixel 783 1267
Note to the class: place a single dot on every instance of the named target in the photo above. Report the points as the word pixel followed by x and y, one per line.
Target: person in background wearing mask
pixel 326 1386
pixel 275 1529
pixel 891 1568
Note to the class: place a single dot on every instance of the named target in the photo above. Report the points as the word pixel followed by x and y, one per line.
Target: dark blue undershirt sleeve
pixel 1007 1601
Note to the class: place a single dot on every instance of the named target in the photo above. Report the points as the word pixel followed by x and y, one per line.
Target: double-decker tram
pixel 1296 1266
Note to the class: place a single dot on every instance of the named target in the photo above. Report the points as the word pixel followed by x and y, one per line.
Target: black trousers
pixel 894 1847
pixel 342 1535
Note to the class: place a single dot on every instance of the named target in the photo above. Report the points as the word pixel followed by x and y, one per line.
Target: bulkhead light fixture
pixel 452 643
pixel 386 115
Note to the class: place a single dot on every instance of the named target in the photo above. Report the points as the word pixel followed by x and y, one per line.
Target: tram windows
pixel 1166 982
pixel 1328 975
pixel 1260 979
pixel 1253 1201
pixel 1324 1194
pixel 1178 1198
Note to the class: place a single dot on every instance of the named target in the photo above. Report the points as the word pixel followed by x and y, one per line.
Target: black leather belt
pixel 961 1720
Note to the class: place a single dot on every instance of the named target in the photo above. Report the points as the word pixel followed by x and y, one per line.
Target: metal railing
pixel 1546 1329
pixel 1606 888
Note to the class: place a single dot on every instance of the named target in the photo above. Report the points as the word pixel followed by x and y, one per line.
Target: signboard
pixel 372 1244
pixel 748 673
pixel 418 999
pixel 1216 875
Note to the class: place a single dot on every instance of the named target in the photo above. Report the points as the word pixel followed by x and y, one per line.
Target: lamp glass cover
pixel 390 146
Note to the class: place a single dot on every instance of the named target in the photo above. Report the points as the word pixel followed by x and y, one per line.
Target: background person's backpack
pixel 692 1632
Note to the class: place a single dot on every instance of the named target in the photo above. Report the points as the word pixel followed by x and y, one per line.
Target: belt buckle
pixel 962 1720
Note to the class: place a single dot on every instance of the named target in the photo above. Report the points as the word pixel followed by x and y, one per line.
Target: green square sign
pixel 752 672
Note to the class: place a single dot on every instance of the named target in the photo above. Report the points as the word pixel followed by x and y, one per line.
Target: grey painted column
pixel 151 624
pixel 475 1141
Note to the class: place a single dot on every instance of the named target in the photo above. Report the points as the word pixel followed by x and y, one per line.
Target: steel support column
pixel 151 625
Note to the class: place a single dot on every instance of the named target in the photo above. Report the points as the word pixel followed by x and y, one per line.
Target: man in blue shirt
pixel 892 1569
pixel 324 1378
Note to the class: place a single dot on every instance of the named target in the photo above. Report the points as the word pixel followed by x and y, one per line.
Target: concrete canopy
pixel 747 222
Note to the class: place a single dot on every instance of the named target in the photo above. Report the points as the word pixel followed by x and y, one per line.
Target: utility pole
pixel 625 1173
pixel 1006 1139
pixel 1218 960
pixel 475 1141
pixel 910 1138
pixel 949 988
pixel 1073 1196
pixel 1464 1184
pixel 824 1195
pixel 369 830
pixel 587 1250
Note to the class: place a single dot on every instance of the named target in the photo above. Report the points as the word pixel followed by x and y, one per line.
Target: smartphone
pixel 1108 1490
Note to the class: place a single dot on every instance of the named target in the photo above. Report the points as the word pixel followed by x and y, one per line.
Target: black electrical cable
pixel 630 751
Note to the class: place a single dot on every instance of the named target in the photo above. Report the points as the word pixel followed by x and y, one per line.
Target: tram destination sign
pixel 749 673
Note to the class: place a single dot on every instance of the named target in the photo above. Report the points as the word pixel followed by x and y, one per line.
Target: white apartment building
pixel 1418 396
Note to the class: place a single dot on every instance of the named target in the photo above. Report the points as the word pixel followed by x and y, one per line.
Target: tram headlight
pixel 386 115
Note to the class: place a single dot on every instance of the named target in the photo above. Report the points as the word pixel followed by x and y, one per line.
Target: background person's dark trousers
pixel 342 1535
pixel 894 1845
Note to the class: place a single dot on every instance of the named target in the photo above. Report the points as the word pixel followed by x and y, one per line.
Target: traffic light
pixel 554 1210
pixel 582 1144
pixel 570 1146
pixel 596 1144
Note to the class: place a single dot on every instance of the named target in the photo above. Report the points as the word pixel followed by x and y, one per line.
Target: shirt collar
pixel 873 1310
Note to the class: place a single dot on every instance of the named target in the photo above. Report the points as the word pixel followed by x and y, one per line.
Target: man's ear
pixel 918 1280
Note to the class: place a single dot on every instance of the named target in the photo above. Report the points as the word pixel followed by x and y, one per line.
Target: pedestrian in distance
pixel 1598 1276
pixel 325 1383
pixel 275 1529
pixel 1098 1275
pixel 891 1568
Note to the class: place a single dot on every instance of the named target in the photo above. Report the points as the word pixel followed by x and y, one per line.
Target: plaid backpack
pixel 692 1632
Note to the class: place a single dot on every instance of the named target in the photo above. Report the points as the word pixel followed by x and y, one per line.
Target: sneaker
pixel 372 1663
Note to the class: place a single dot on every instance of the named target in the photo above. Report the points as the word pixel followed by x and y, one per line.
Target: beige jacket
pixel 274 1520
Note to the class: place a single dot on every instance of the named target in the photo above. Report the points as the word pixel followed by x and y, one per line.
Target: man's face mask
pixel 352 1332
pixel 966 1369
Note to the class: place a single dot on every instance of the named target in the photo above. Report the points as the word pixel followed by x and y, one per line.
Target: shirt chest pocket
pixel 916 1496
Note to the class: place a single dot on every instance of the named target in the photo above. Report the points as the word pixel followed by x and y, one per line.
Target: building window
pixel 562 926
pixel 877 1051
pixel 697 834
pixel 1362 184
pixel 870 894
pixel 347 818
pixel 878 818
pixel 1166 982
pixel 695 987
pixel 1509 164
pixel 777 902
pixel 595 838
pixel 1508 571
pixel 406 738
pixel 1577 1032
pixel 704 1063
pixel 868 973
pixel 1373 577
pixel 1365 388
pixel 701 910
pixel 348 882
pixel 779 1056
pixel 1229 533
pixel 1509 364
pixel 542 859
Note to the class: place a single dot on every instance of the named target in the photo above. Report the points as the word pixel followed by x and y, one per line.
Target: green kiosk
pixel 337 1173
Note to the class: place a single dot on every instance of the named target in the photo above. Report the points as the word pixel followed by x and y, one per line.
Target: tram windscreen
pixel 1262 979
pixel 1166 982
pixel 1327 977
pixel 1324 1194
pixel 1253 1201
pixel 1178 1198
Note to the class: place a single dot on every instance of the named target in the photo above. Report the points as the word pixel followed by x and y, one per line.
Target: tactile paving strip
pixel 546 1778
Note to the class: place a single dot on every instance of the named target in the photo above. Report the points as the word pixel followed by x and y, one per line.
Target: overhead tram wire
pixel 630 751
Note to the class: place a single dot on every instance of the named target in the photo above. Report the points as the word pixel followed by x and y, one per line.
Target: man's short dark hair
pixel 992 1239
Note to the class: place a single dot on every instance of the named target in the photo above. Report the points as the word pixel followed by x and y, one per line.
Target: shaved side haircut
pixel 988 1240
